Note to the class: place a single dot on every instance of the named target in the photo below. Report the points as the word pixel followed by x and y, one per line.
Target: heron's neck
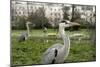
pixel 27 29
pixel 66 40
pixel 61 31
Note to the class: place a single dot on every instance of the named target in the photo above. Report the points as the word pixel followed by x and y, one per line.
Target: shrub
pixel 19 23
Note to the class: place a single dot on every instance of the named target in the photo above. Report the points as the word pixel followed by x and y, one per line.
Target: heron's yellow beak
pixel 74 24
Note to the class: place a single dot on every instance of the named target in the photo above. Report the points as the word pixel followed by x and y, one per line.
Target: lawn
pixel 31 51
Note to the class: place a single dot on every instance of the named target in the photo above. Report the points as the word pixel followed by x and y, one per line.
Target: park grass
pixel 31 51
pixel 39 32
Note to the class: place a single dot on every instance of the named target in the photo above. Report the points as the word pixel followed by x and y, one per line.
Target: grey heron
pixel 24 36
pixel 58 52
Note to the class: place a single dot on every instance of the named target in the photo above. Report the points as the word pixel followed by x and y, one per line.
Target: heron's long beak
pixel 74 23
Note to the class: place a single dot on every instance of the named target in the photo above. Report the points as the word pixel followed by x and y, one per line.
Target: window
pixel 31 7
pixel 17 7
pixel 51 9
pixel 19 12
pixel 16 12
pixel 55 14
pixel 55 9
pixel 59 14
pixel 35 8
pixel 51 13
pixel 23 13
pixel 51 19
pixel 20 8
pixel 58 9
pixel 58 18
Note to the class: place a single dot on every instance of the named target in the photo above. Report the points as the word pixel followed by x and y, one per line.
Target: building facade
pixel 53 12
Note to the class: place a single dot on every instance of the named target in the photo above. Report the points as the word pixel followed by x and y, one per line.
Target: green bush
pixel 38 19
pixel 19 23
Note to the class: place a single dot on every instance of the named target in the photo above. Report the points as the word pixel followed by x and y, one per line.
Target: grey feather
pixel 49 55
pixel 23 37
pixel 58 52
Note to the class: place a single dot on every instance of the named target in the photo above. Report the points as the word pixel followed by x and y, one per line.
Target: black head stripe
pixel 63 21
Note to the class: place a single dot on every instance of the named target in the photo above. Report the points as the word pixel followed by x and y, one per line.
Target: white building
pixel 19 8
pixel 32 7
pixel 87 12
pixel 53 12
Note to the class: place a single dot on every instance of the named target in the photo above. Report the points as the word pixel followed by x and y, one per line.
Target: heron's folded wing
pixel 49 55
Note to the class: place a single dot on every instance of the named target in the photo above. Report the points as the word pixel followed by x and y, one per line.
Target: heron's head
pixel 67 23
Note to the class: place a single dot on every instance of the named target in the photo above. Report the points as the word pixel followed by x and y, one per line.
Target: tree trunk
pixel 73 6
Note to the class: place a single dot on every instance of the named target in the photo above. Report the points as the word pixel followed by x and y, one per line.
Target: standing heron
pixel 24 36
pixel 58 52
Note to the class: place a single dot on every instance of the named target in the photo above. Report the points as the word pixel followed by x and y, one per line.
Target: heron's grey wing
pixel 49 55
pixel 22 36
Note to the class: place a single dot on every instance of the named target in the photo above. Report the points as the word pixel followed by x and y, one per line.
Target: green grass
pixel 30 51
pixel 82 51
pixel 38 31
